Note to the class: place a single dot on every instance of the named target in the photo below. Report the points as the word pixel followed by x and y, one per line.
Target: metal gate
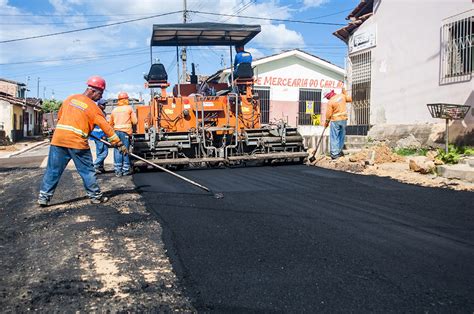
pixel 359 80
pixel 306 95
pixel 264 95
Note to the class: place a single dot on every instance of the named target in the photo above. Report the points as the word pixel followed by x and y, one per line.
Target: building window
pixel 360 80
pixel 264 96
pixel 21 92
pixel 309 98
pixel 457 52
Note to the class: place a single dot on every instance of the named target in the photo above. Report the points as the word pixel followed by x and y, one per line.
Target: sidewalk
pixel 20 147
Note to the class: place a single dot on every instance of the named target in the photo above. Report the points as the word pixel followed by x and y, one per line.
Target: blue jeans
pixel 58 159
pixel 122 162
pixel 102 151
pixel 336 137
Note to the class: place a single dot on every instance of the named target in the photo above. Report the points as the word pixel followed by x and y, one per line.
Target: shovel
pixel 312 158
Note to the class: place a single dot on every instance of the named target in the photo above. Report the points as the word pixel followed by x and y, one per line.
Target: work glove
pixel 122 149
pixel 326 124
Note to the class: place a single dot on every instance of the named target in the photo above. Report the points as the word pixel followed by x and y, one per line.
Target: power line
pixel 144 51
pixel 268 19
pixel 331 14
pixel 58 23
pixel 89 28
pixel 80 15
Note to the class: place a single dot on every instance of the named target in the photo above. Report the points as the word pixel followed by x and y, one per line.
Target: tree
pixel 51 105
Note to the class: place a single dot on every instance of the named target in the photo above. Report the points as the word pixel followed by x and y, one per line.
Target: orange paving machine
pixel 208 123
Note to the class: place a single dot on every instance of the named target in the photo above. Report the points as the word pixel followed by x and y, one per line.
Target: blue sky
pixel 121 53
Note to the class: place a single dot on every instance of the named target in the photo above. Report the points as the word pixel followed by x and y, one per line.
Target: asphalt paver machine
pixel 208 123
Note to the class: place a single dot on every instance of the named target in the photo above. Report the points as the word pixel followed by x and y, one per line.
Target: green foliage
pixel 411 151
pixel 51 105
pixel 455 153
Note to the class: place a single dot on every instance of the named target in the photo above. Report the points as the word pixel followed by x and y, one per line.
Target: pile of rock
pixel 425 164
pixel 376 155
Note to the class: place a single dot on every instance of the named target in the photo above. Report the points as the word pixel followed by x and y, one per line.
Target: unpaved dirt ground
pixel 388 164
pixel 74 256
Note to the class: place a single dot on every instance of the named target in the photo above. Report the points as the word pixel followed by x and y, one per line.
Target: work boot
pixel 43 203
pixel 99 170
pixel 127 173
pixel 118 174
pixel 102 199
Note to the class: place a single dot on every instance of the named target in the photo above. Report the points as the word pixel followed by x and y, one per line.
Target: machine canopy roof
pixel 202 34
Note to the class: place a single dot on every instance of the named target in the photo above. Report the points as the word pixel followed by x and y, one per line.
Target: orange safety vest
pixel 123 117
pixel 336 108
pixel 76 119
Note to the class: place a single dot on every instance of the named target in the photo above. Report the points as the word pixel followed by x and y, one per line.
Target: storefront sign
pixel 363 40
pixel 297 82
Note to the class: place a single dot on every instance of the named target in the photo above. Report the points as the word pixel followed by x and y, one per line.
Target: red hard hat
pixel 122 95
pixel 329 94
pixel 96 82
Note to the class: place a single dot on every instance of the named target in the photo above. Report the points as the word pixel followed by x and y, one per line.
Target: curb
pixel 27 149
pixel 460 171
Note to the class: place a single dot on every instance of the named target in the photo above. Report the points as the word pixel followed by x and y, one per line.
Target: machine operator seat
pixel 243 77
pixel 157 75
pixel 243 72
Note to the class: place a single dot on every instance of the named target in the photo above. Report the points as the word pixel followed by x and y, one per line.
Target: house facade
pixel 19 116
pixel 291 86
pixel 403 55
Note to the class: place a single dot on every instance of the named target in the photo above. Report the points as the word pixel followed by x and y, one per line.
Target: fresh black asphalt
pixel 297 238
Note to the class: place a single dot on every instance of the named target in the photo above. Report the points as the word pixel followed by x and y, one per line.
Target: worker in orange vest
pixel 336 115
pixel 76 119
pixel 122 120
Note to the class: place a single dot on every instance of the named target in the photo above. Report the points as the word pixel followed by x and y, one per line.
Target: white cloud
pixel 278 37
pixel 126 37
pixel 313 3
pixel 63 6
pixel 256 54
pixel 133 90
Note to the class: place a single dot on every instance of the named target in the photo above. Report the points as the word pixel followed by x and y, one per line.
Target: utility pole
pixel 38 88
pixel 26 89
pixel 183 50
pixel 44 92
pixel 222 61
pixel 52 95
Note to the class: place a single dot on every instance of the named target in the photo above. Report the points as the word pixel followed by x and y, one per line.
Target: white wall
pixel 406 61
pixel 30 111
pixel 286 77
pixel 294 68
pixel 6 116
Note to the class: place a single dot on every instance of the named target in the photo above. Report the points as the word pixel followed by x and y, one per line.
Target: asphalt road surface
pixel 298 238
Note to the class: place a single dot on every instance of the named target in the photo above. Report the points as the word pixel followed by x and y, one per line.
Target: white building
pixel 405 54
pixel 290 86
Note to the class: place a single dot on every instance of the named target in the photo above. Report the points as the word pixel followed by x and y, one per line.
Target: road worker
pixel 336 116
pixel 76 119
pixel 242 56
pixel 101 150
pixel 122 120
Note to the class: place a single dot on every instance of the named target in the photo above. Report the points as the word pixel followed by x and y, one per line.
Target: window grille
pixel 308 95
pixel 360 82
pixel 264 96
pixel 457 52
